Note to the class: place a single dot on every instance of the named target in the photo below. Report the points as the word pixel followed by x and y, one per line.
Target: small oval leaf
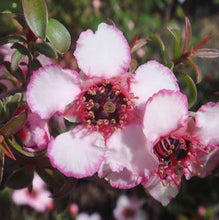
pixel 198 73
pixel 14 145
pixel 13 125
pixel 19 179
pixel 58 35
pixel 11 39
pixel 187 34
pixel 175 35
pixel 36 16
pixel 16 59
pixel 46 50
pixel 205 53
pixel 190 89
pixel 157 39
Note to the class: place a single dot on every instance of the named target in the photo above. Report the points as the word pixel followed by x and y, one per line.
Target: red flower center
pixel 105 107
pixel 175 156
pixel 129 212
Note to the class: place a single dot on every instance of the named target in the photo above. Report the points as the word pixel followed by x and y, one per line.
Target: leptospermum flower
pixel 129 209
pixel 34 135
pixel 85 216
pixel 103 99
pixel 182 146
pixel 38 199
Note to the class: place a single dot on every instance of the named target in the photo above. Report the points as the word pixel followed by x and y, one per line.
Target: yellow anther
pixel 100 122
pixel 106 122
pixel 113 121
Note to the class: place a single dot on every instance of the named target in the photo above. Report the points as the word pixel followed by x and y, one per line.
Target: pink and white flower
pixel 183 147
pixel 38 199
pixel 34 135
pixel 129 209
pixel 107 101
pixel 85 216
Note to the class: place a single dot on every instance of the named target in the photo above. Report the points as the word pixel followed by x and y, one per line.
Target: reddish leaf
pixel 187 34
pixel 202 43
pixel 138 44
pixel 13 125
pixel 198 72
pixel 134 40
pixel 111 22
pixel 5 148
pixel 205 53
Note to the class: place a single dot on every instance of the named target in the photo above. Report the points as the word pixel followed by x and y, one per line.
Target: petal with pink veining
pixel 151 77
pixel 161 193
pixel 77 153
pixel 165 112
pixel 103 53
pixel 123 178
pixel 51 88
pixel 128 153
pixel 207 124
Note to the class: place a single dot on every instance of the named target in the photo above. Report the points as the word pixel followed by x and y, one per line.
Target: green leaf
pixel 16 58
pixel 198 73
pixel 190 89
pixel 13 125
pixel 58 35
pixel 175 35
pixel 19 179
pixel 11 39
pixel 11 104
pixel 21 48
pixel 46 49
pixel 14 145
pixel 162 47
pixel 187 34
pixel 18 73
pixel 36 15
pixel 35 64
pixel 1 165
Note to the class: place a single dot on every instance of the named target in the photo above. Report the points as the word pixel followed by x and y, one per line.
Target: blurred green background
pixel 146 17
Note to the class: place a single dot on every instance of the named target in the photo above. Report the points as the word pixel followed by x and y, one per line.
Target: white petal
pixel 165 112
pixel 77 153
pixel 129 156
pixel 151 77
pixel 51 88
pixel 207 123
pixel 161 193
pixel 103 53
pixel 122 179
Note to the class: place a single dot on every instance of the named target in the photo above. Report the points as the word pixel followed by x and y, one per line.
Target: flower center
pixel 106 107
pixel 175 156
pixel 129 212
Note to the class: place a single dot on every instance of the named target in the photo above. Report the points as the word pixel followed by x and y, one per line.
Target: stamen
pixel 106 107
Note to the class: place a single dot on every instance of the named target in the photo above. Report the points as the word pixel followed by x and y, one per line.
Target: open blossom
pixel 85 216
pixel 128 209
pixel 38 199
pixel 107 101
pixel 183 147
pixel 34 135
